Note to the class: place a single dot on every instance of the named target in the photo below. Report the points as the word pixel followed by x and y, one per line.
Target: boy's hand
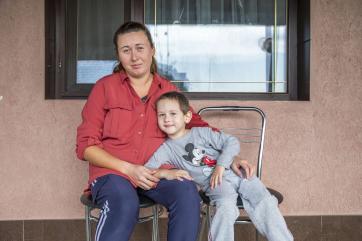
pixel 216 177
pixel 239 166
pixel 173 174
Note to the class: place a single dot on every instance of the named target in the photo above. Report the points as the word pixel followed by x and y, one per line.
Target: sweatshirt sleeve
pixel 90 131
pixel 160 157
pixel 227 144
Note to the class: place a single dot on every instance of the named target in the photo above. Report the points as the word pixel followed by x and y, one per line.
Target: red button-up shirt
pixel 117 120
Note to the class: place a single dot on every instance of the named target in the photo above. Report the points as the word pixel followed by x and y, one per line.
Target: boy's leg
pixel 182 201
pixel 263 210
pixel 224 198
pixel 120 208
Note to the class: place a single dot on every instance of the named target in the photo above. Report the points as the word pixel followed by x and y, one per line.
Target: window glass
pixel 221 45
pixel 96 22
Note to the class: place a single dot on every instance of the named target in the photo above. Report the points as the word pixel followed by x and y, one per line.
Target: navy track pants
pixel 120 207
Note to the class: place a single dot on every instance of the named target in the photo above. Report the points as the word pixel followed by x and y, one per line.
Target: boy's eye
pixel 140 48
pixel 161 115
pixel 173 113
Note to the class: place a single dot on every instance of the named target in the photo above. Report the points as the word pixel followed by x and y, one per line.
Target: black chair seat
pixel 145 202
pixel 273 192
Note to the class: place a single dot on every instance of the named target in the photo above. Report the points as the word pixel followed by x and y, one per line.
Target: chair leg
pixel 209 216
pixel 256 235
pixel 88 226
pixel 155 230
pixel 204 218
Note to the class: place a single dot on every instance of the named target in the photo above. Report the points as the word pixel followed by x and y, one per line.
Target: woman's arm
pixel 90 131
pixel 140 175
pixel 89 141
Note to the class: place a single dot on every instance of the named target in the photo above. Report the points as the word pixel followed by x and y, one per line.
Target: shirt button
pixel 140 132
pixel 142 115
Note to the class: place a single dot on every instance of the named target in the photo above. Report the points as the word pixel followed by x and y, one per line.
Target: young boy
pixel 204 156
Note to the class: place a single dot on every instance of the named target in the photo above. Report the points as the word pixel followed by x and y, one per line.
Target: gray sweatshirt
pixel 197 152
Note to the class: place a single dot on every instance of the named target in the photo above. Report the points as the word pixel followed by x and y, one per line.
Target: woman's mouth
pixel 136 66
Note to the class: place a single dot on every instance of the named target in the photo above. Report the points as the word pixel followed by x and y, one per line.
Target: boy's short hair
pixel 179 97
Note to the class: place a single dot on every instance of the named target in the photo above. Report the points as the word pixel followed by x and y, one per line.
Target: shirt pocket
pixel 118 121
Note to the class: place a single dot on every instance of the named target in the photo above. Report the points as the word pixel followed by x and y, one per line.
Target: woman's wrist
pixel 125 167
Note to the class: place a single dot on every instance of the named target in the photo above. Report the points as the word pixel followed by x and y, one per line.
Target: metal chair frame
pixel 145 202
pixel 207 212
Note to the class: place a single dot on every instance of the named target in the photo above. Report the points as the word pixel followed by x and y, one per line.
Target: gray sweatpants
pixel 259 204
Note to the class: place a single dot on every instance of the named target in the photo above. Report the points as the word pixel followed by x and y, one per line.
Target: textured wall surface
pixel 313 149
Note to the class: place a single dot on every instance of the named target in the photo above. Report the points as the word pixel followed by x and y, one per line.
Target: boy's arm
pixel 229 147
pixel 160 156
pixel 163 156
pixel 227 144
pixel 171 174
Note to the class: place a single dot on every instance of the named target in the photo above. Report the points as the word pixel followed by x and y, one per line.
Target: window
pixel 211 49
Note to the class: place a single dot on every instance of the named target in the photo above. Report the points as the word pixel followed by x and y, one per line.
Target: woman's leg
pixel 120 208
pixel 182 200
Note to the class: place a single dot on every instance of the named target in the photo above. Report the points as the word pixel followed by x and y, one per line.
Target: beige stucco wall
pixel 313 149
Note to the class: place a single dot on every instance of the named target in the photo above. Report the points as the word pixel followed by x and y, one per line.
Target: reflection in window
pixel 221 45
pixel 97 21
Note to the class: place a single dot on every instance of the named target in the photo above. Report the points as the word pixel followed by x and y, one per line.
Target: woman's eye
pixel 125 51
pixel 140 48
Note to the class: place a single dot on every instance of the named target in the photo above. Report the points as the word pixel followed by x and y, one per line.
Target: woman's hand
pixel 216 177
pixel 248 169
pixel 141 176
pixel 173 174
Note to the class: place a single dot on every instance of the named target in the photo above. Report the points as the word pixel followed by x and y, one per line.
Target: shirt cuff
pixel 91 141
pixel 224 161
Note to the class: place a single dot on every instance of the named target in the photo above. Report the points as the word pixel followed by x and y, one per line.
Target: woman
pixel 119 133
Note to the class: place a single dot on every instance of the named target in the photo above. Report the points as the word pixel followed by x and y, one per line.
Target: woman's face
pixel 135 53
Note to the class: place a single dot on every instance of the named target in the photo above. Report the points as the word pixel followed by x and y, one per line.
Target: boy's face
pixel 170 118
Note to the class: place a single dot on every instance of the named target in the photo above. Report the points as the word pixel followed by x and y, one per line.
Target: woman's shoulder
pixel 165 83
pixel 109 79
pixel 109 87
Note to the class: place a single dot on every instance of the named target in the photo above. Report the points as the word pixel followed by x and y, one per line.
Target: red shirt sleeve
pixel 89 132
pixel 196 121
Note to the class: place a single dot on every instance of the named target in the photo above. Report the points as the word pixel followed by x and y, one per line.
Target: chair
pixel 145 202
pixel 247 136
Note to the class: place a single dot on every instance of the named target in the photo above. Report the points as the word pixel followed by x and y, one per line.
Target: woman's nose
pixel 133 55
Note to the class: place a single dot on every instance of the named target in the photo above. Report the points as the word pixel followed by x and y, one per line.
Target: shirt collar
pixel 123 77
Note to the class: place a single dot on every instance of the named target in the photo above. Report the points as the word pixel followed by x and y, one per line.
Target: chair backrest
pixel 246 123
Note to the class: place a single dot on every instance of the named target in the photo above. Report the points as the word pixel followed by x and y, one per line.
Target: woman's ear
pixel 153 51
pixel 188 117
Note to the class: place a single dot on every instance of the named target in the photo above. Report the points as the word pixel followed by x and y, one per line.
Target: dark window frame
pixel 60 50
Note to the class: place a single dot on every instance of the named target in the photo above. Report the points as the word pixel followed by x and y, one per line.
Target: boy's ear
pixel 188 117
